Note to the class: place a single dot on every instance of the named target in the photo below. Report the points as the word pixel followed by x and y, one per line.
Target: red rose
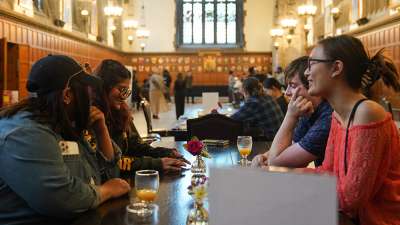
pixel 195 147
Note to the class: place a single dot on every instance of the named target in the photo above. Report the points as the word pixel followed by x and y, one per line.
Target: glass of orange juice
pixel 146 188
pixel 244 144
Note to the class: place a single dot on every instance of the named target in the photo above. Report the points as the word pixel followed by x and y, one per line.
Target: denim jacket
pixel 37 180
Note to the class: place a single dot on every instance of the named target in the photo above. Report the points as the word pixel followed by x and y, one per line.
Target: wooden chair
pixel 151 133
pixel 214 126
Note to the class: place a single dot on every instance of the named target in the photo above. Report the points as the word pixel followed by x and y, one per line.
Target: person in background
pixel 179 94
pixel 136 155
pixel 304 132
pixel 274 89
pixel 260 113
pixel 280 76
pixel 252 71
pixel 189 87
pixel 237 92
pixel 48 171
pixel 231 83
pixel 363 149
pixel 167 82
pixel 135 97
pixel 269 74
pixel 157 90
pixel 145 89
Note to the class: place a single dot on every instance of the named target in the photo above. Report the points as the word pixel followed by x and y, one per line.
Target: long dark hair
pixel 113 72
pixel 360 70
pixel 49 109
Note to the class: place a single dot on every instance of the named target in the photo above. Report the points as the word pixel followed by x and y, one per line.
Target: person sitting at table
pixel 259 112
pixel 304 132
pixel 273 89
pixel 363 149
pixel 136 155
pixel 47 170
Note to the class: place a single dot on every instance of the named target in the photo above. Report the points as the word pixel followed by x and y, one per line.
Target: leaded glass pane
pixel 221 23
pixel 197 23
pixel 201 25
pixel 231 26
pixel 187 23
pixel 209 23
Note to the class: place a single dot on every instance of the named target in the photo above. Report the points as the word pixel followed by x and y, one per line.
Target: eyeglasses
pixel 318 61
pixel 73 75
pixel 124 92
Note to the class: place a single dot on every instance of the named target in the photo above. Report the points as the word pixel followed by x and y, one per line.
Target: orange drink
pixel 244 144
pixel 147 195
pixel 244 152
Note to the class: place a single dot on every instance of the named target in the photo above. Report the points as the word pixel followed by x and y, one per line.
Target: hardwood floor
pixel 167 119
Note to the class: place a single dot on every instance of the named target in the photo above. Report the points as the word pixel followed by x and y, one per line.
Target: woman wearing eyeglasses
pixel 363 149
pixel 48 172
pixel 136 155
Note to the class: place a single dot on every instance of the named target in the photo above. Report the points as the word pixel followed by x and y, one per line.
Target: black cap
pixel 52 73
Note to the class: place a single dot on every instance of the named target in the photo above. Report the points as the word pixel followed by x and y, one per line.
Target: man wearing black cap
pixel 47 170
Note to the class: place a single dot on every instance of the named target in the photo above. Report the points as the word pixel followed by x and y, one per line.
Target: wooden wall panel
pixel 197 63
pixel 388 38
pixel 39 43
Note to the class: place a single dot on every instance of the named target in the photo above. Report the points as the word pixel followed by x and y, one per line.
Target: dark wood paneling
pixel 39 43
pixel 388 38
pixel 184 62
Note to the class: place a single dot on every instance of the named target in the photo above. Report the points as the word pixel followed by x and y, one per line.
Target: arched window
pixel 209 23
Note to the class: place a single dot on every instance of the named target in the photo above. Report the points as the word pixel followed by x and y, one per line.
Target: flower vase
pixel 198 215
pixel 198 166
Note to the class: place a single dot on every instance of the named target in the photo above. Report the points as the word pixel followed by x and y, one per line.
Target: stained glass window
pixel 210 23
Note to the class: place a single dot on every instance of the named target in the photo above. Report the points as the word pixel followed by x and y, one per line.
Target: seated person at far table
pixel 273 89
pixel 304 132
pixel 259 112
pixel 136 155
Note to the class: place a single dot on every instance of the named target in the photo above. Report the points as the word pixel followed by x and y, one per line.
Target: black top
pixel 179 86
pixel 137 155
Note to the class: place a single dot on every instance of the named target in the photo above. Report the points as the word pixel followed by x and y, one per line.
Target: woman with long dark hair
pixel 363 149
pixel 47 169
pixel 135 154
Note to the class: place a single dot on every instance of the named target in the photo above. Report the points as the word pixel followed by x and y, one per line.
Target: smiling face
pixel 294 83
pixel 117 94
pixel 319 73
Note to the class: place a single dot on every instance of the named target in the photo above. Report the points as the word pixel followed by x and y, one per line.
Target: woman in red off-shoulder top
pixel 363 149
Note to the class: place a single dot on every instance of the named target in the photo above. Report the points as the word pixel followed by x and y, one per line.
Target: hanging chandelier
pixel 113 10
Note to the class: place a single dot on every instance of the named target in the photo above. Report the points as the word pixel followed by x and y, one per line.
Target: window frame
pixel 239 28
pixel 38 6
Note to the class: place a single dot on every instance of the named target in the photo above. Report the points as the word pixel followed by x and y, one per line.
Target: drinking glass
pixel 146 188
pixel 244 144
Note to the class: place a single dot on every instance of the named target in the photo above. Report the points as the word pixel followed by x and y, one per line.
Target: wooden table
pixel 173 199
